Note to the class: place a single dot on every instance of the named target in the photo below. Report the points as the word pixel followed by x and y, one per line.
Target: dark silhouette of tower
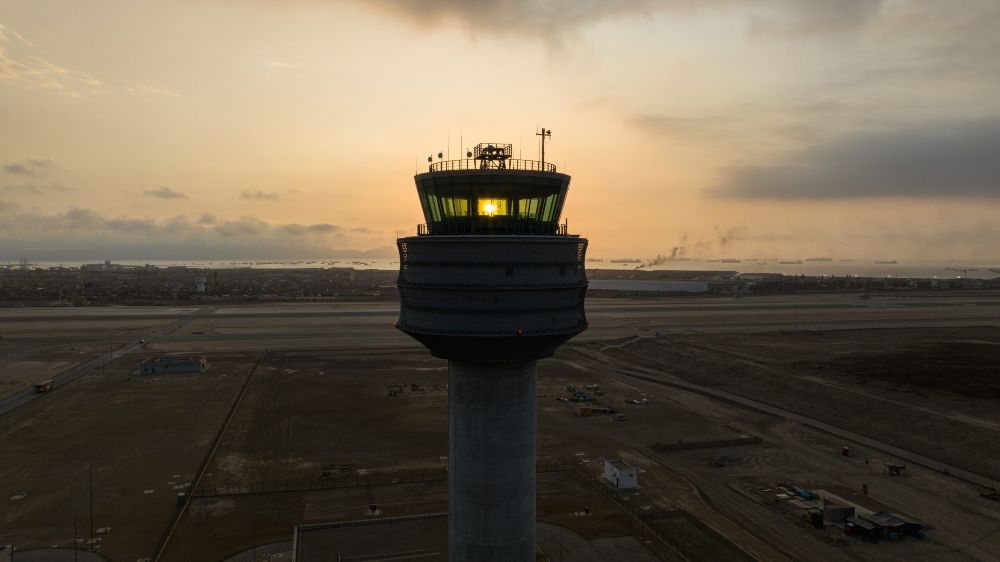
pixel 492 283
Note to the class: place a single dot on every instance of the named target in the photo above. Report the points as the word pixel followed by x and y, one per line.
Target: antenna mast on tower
pixel 546 133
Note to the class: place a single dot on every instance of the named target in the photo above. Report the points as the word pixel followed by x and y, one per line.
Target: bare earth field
pixel 147 433
pixel 293 424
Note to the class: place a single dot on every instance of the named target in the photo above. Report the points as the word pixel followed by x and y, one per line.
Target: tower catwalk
pixel 492 282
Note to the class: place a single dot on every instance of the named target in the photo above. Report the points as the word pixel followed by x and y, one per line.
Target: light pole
pixel 91 542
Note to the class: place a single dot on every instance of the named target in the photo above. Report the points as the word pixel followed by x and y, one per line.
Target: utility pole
pixel 562 553
pixel 76 539
pixel 546 133
pixel 91 506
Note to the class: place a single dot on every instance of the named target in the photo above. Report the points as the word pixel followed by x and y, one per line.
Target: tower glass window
pixel 504 201
pixel 491 207
pixel 528 207
pixel 455 206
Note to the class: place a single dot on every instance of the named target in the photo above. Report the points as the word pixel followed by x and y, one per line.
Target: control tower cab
pixel 492 275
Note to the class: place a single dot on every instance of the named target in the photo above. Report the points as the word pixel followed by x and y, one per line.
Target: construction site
pixel 804 427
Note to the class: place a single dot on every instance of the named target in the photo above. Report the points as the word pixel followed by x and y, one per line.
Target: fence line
pixel 373 478
pixel 652 521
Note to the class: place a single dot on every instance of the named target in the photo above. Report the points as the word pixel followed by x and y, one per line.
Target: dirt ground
pixel 319 402
pixel 307 410
pixel 136 434
pixel 932 391
pixel 33 351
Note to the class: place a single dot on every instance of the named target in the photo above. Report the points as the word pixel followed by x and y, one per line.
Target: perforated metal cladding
pixel 492 261
pixel 403 258
pixel 500 287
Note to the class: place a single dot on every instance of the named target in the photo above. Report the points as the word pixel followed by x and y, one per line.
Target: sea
pixel 928 269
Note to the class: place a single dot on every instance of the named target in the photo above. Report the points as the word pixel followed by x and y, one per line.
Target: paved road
pixel 803 305
pixel 369 325
pixel 662 378
pixel 8 403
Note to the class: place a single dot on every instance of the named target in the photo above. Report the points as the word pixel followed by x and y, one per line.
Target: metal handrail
pixel 510 164
pixel 493 227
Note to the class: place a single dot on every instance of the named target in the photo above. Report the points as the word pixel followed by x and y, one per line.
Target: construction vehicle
pixel 44 386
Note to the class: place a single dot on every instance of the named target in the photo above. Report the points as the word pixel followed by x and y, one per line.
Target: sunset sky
pixel 189 129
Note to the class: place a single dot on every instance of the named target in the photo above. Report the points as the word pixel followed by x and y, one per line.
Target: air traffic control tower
pixel 492 283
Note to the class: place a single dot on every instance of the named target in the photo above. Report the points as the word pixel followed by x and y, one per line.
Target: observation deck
pixel 492 193
pixel 512 164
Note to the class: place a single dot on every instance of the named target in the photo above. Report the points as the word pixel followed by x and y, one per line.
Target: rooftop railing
pixel 493 227
pixel 509 164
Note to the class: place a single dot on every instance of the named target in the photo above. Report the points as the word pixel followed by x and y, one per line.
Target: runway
pixel 351 326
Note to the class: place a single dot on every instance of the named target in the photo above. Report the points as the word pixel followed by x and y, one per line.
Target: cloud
pixel 20 66
pixel 549 20
pixel 125 225
pixel 796 18
pixel 179 226
pixel 29 167
pixel 312 229
pixel 259 195
pixel 134 89
pixel 682 126
pixel 129 237
pixel 280 64
pixel 322 228
pixel 932 160
pixel 782 119
pixel 8 35
pixel 244 226
pixel 942 41
pixel 36 189
pixel 164 193
pixel 81 218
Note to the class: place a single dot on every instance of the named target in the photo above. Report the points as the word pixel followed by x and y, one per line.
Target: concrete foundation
pixel 491 461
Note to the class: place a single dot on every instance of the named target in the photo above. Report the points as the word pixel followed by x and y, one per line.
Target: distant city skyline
pixel 728 128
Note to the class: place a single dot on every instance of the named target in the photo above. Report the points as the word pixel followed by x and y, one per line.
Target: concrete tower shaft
pixel 492 282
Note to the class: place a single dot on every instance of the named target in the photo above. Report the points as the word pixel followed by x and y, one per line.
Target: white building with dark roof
pixel 621 475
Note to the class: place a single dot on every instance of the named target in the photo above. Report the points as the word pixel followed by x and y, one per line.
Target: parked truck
pixel 44 386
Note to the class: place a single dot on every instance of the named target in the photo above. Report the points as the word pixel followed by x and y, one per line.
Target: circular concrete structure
pixel 492 298
pixel 492 282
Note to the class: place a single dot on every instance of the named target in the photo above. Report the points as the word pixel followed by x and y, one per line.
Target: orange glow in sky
pixel 726 128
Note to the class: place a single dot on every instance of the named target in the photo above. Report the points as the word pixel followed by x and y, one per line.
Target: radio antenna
pixel 546 133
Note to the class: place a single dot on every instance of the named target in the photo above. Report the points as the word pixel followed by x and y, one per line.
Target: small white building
pixel 621 475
